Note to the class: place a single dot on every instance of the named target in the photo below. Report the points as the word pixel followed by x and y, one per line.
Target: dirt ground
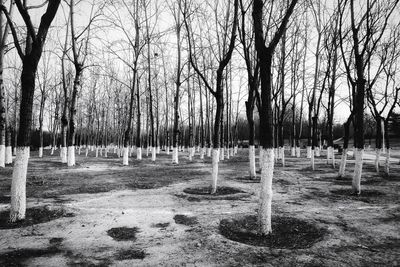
pixel 101 213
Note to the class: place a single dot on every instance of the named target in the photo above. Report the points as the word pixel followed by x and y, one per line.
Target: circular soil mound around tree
pixel 223 193
pixel 287 232
pixel 365 196
pixel 33 216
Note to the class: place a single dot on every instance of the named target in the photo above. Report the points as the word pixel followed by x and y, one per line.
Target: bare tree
pixel 35 40
pixel 265 54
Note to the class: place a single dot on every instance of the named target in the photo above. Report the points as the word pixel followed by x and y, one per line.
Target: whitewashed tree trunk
pixel 175 155
pixel 235 150
pixel 158 150
pixel 153 153
pixel 209 152
pixel 282 152
pixel 97 152
pixel 18 185
pixel 312 159
pixel 2 156
pixel 308 152
pixel 106 152
pixel 101 151
pixel 71 156
pixel 87 151
pixel 15 151
pixel 79 150
pixel 267 173
pixel 387 162
pixel 356 183
pixel 228 155
pixel 317 152
pixel 52 150
pixel 190 154
pixel 252 160
pixel 167 149
pixel 202 152
pixel 8 154
pixel 125 159
pixel 139 153
pixel 147 151
pixel 328 154
pixel 377 159
pixel 40 152
pixel 63 154
pixel 260 157
pixel 222 154
pixel 293 151
pixel 215 160
pixel 298 152
pixel 343 161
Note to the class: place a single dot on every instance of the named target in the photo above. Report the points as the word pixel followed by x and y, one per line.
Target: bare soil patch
pixel 20 256
pixel 123 233
pixel 130 254
pixel 34 216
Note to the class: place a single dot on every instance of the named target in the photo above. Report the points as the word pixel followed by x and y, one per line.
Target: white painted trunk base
pixel 209 152
pixel 71 156
pixel 298 154
pixel 228 155
pixel 106 152
pixel 387 162
pixel 317 152
pixel 260 157
pixel 52 150
pixel 356 183
pixel 215 160
pixel 252 160
pixel 40 152
pixel 235 150
pixel 15 151
pixel 86 151
pixel 377 159
pixel 190 154
pixel 153 153
pixel 125 158
pixel 265 202
pixel 2 156
pixel 167 149
pixel 202 152
pixel 139 153
pixel 18 185
pixel 343 161
pixel 328 154
pixel 312 159
pixel 293 151
pixel 79 150
pixel 101 151
pixel 175 155
pixel 308 152
pixel 222 154
pixel 282 155
pixel 8 154
pixel 63 155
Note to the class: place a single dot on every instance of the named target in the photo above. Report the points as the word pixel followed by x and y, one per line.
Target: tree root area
pixel 221 191
pixel 33 216
pixel 287 233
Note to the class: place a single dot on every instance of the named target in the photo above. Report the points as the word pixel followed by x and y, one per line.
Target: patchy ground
pixel 101 213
